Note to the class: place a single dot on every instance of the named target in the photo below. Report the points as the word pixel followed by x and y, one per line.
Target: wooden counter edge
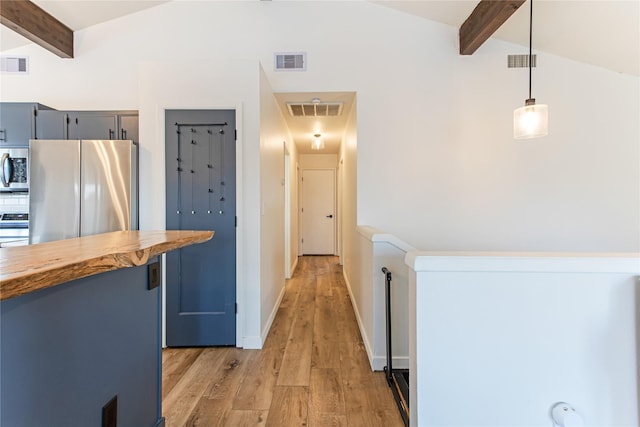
pixel 135 249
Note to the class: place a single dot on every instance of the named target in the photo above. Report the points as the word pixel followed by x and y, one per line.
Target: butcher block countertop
pixel 26 269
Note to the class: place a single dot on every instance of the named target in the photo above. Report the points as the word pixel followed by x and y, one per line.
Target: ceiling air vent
pixel 520 61
pixel 315 109
pixel 14 64
pixel 290 61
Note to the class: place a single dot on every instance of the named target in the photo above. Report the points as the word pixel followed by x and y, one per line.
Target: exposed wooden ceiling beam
pixel 485 19
pixel 30 21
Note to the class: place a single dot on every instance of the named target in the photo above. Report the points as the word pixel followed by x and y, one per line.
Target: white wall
pixel 436 163
pixel 163 86
pixel 293 209
pixel 456 180
pixel 318 161
pixel 274 136
pixel 507 336
pixel 347 234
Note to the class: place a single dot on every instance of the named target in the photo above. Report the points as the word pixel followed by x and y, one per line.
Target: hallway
pixel 313 369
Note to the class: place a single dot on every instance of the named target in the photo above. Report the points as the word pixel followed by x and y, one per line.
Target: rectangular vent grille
pixel 290 61
pixel 14 64
pixel 520 61
pixel 310 109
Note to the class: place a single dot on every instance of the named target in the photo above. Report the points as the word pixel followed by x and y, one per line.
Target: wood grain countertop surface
pixel 26 269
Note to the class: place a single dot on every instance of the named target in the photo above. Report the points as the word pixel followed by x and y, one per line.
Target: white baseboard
pixel 365 338
pixel 274 311
pixel 293 267
pixel 252 343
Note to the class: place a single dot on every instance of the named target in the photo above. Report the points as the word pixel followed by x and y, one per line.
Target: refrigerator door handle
pixel 7 169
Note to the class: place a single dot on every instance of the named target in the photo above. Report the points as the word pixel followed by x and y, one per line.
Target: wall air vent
pixel 520 61
pixel 290 61
pixel 315 109
pixel 14 64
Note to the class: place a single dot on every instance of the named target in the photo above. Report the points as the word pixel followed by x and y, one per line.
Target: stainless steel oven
pixel 14 229
pixel 14 169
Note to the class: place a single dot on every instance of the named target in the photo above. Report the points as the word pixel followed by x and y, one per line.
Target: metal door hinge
pixel 236 308
pixel 236 221
pixel 235 134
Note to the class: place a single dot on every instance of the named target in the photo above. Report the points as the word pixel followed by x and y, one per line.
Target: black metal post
pixel 387 298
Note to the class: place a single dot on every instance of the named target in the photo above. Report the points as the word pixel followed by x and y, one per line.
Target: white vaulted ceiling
pixel 605 33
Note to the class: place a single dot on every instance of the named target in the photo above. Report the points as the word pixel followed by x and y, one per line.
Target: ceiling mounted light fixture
pixel 317 143
pixel 532 120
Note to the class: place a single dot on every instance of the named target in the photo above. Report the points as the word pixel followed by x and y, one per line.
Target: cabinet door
pixel 51 124
pixel 129 127
pixel 16 124
pixel 93 125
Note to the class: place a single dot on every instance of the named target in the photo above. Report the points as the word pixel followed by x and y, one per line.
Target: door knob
pixel 329 216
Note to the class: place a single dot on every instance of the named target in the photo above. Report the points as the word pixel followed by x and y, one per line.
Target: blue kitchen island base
pixel 66 351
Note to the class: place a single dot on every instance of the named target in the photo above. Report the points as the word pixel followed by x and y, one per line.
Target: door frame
pixel 336 213
pixel 287 212
pixel 240 229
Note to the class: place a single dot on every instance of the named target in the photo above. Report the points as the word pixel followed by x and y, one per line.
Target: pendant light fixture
pixel 317 143
pixel 532 120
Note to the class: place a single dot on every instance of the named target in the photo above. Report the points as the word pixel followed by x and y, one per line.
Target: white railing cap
pixel 538 262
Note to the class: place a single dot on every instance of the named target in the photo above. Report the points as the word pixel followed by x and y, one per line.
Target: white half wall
pixel 498 339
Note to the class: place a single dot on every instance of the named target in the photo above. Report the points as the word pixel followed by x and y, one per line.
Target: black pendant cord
pixel 530 43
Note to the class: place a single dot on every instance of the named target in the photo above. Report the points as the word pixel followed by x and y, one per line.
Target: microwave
pixel 14 169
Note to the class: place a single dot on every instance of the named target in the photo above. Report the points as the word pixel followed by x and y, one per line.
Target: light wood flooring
pixel 313 370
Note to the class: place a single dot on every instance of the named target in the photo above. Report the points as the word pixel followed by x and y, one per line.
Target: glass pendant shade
pixel 531 121
pixel 317 143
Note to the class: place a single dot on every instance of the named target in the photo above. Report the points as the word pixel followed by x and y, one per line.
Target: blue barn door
pixel 201 195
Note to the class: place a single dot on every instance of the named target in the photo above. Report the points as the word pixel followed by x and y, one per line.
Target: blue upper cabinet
pixel 102 125
pixel 128 126
pixel 22 121
pixel 18 122
pixel 93 125
pixel 51 124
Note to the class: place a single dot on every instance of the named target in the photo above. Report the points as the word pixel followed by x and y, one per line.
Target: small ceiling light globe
pixel 317 143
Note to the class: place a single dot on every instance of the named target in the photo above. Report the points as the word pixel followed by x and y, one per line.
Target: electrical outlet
pixel 110 413
pixel 154 275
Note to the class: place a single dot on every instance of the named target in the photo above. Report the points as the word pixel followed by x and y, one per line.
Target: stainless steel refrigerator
pixel 81 187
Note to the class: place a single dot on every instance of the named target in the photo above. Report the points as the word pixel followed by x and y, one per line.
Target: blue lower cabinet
pixel 67 351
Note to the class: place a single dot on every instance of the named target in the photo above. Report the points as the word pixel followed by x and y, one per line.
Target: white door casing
pixel 318 212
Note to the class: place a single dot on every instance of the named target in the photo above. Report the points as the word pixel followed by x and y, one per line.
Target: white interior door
pixel 318 212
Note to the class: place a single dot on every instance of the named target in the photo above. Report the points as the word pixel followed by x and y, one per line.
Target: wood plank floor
pixel 313 370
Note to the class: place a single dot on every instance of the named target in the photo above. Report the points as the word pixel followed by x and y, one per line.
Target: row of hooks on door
pixel 212 135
